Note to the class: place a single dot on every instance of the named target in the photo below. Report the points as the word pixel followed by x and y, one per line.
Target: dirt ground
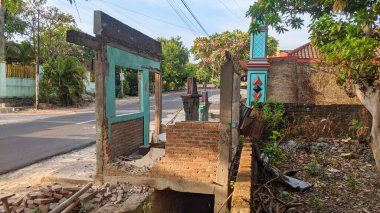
pixel 78 165
pixel 343 173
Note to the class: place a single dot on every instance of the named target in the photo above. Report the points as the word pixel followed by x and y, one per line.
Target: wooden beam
pixel 120 34
pixel 82 39
pixel 158 99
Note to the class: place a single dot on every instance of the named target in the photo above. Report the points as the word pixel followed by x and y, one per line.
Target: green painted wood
pixel 117 57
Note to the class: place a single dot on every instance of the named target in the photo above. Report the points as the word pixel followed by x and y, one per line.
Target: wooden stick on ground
pixel 65 204
pixel 70 207
pixel 4 200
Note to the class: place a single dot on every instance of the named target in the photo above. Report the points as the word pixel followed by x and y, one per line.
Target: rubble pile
pixel 58 198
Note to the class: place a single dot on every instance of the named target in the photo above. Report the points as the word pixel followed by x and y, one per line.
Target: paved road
pixel 43 136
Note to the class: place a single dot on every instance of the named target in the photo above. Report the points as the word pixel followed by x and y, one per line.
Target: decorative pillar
pixel 258 67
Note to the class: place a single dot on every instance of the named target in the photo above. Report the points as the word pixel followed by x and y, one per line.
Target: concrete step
pixel 4 110
pixel 3 105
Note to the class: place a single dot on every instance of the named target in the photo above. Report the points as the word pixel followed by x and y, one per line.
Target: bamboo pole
pixel 69 201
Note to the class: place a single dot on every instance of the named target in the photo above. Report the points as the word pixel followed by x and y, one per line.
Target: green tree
pixel 63 79
pixel 203 75
pixel 211 50
pixel 174 58
pixel 348 37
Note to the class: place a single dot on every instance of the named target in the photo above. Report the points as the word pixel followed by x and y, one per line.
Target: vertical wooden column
pixel 225 141
pixel 158 99
pixel 101 68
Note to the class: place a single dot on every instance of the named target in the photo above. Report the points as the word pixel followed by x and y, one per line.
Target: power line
pixel 184 14
pixel 176 10
pixel 195 18
pixel 237 4
pixel 153 18
pixel 229 10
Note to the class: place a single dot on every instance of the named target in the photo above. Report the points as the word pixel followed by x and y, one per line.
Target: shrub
pixel 63 81
pixel 274 153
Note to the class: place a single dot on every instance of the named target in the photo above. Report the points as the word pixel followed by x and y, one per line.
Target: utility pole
pixel 2 26
pixel 37 56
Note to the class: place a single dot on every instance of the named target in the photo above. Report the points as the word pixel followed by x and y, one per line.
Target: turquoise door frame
pixel 117 57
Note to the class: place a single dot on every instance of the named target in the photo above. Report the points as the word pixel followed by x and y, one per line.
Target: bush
pixel 63 81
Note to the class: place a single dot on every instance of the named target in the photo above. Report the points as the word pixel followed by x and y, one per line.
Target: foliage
pixel 356 130
pixel 274 153
pixel 203 75
pixel 211 50
pixel 345 32
pixel 313 169
pixel 175 56
pixel 147 207
pixel 130 84
pixel 352 181
pixel 63 81
pixel 273 114
pixel 276 136
pixel 23 52
pixel 83 209
pixel 13 24
pixel 317 204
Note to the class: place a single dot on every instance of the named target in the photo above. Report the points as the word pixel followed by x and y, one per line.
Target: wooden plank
pixel 158 97
pixel 122 35
pixel 82 39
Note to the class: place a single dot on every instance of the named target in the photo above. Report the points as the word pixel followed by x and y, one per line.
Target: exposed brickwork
pixel 241 197
pixel 191 152
pixel 341 113
pixel 292 82
pixel 126 137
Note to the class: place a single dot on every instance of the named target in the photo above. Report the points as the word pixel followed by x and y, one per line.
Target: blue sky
pixel 152 17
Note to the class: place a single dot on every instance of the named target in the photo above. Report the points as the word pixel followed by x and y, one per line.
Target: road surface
pixel 37 137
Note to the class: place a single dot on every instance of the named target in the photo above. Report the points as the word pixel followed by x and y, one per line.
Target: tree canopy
pixel 211 50
pixel 174 58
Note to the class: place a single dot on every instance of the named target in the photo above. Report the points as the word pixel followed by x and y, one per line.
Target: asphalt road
pixel 40 137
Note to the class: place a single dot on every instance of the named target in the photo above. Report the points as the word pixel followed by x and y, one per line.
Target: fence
pixel 20 71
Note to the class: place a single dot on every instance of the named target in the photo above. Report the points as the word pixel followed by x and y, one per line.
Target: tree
pixel 211 50
pixel 63 79
pixel 347 35
pixel 174 58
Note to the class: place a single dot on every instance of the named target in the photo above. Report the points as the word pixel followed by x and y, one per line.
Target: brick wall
pixel 293 82
pixel 282 81
pixel 340 114
pixel 126 137
pixel 191 152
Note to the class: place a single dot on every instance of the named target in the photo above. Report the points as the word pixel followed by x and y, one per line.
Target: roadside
pixel 77 165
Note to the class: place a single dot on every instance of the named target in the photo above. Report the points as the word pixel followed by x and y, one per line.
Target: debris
pixel 347 155
pixel 289 146
pixel 72 199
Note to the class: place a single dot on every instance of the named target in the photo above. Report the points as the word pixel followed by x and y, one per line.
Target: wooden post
pixel 224 147
pixel 101 68
pixel 158 99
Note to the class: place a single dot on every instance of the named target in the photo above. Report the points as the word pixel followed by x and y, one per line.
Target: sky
pixel 156 18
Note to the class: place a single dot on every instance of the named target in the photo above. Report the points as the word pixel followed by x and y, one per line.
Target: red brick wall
pixel 191 152
pixel 126 137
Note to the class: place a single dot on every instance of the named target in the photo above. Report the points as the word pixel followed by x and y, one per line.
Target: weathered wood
pixel 71 207
pixel 120 34
pixel 158 99
pixel 101 67
pixel 72 199
pixel 82 39
pixel 4 200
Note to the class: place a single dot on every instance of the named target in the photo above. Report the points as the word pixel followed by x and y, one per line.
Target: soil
pixel 343 173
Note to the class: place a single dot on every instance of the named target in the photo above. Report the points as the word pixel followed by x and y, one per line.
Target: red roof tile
pixel 306 51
